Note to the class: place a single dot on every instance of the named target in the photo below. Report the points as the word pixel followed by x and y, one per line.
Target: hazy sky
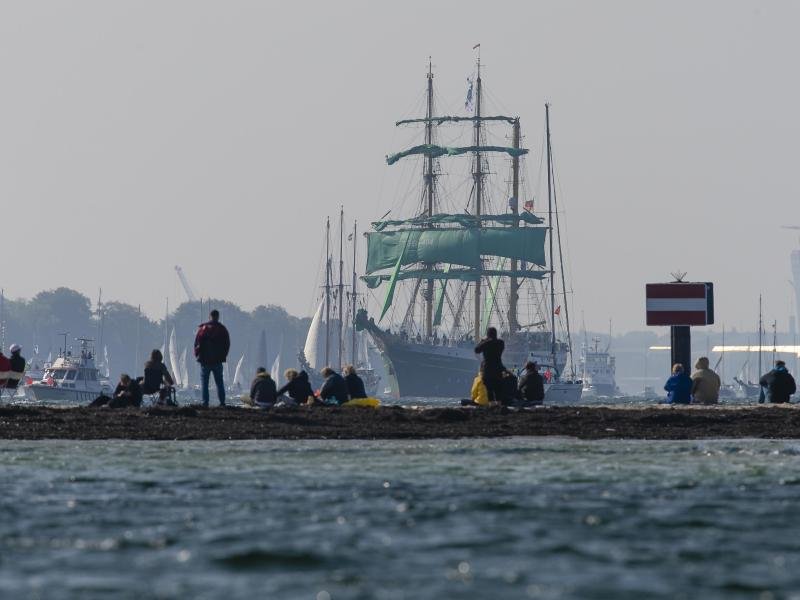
pixel 217 135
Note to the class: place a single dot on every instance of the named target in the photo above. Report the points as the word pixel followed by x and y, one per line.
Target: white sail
pixel 184 370
pixel 107 368
pixel 275 372
pixel 238 374
pixel 315 340
pixel 173 359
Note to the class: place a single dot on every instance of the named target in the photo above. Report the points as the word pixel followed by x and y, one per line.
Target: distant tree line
pixel 128 336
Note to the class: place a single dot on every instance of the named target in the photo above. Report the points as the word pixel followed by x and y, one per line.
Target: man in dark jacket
pixel 127 394
pixel 531 385
pixel 334 389
pixel 297 386
pixel 263 391
pixel 355 385
pixel 211 346
pixel 510 394
pixel 492 364
pixel 779 383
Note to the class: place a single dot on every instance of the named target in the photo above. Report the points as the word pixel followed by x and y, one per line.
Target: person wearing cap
pixel 531 384
pixel 779 383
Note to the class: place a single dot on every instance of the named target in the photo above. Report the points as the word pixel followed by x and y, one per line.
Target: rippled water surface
pixel 511 518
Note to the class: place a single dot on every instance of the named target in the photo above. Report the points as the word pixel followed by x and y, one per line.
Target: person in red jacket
pixel 211 346
pixel 5 370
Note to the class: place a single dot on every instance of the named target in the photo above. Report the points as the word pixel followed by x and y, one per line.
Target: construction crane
pixel 185 283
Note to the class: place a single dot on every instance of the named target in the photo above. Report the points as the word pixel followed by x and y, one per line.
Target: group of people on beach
pixel 211 346
pixel 703 386
pixel 495 384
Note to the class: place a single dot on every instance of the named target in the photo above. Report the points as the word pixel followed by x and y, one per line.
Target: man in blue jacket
pixel 678 386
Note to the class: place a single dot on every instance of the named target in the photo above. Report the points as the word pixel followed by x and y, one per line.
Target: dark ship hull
pixel 447 371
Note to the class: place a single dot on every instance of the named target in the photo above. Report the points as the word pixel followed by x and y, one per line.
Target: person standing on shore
pixel 492 365
pixel 678 386
pixel 779 383
pixel 705 383
pixel 211 346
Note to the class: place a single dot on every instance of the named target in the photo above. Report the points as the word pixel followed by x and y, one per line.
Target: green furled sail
pixel 393 282
pixel 464 247
pixel 374 281
pixel 494 282
pixel 436 151
pixel 440 295
pixel 465 220
pixel 446 119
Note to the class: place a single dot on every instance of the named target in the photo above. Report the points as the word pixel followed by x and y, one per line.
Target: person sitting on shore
pixel 492 364
pixel 705 383
pixel 156 377
pixel 263 391
pixel 510 394
pixel 355 385
pixel 480 397
pixel 297 387
pixel 531 385
pixel 334 389
pixel 779 383
pixel 678 386
pixel 127 394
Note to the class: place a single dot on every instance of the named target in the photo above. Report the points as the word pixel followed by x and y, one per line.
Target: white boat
pixel 598 369
pixel 563 392
pixel 69 379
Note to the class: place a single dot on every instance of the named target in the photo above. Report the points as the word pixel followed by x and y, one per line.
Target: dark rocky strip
pixel 192 423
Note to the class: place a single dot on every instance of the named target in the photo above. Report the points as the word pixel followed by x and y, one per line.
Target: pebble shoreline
pixel 584 422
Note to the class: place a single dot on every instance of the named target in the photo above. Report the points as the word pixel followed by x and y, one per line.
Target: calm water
pixel 513 518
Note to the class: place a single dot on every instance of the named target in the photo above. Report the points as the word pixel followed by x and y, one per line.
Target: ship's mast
pixel 760 335
pixel 429 195
pixel 327 290
pixel 478 177
pixel 513 296
pixel 550 226
pixel 353 355
pixel 341 287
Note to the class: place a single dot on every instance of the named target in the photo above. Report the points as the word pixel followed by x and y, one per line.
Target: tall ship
pixel 470 255
pixel 70 379
pixel 598 370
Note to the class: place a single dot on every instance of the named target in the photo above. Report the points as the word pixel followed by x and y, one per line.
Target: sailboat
pixel 239 376
pixel 332 340
pixel 173 359
pixel 487 256
pixel 275 371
